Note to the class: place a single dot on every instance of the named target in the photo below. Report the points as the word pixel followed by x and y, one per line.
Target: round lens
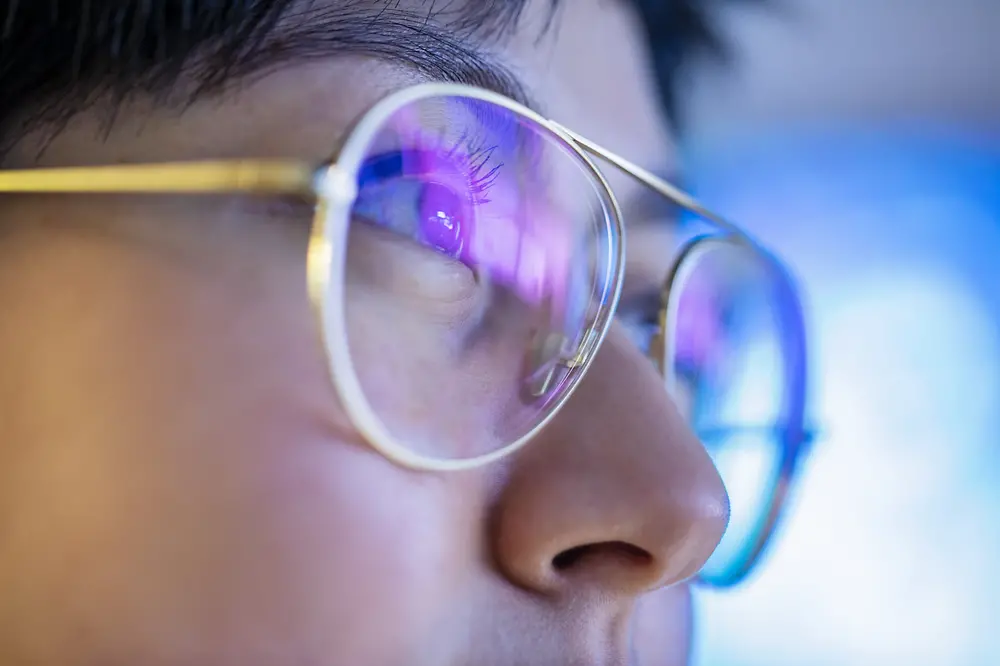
pixel 480 266
pixel 730 378
pixel 749 462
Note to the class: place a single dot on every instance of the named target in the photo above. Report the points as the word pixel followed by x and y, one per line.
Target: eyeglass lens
pixel 729 364
pixel 479 256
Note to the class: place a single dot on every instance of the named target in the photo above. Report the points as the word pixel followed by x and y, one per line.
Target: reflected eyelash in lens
pixel 481 176
pixel 473 157
pixel 430 186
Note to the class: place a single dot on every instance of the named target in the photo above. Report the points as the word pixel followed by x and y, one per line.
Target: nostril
pixel 619 551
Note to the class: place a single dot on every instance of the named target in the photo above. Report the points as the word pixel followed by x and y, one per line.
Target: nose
pixel 616 496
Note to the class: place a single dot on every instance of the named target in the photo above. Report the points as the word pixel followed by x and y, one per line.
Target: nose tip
pixel 622 544
pixel 662 546
pixel 618 495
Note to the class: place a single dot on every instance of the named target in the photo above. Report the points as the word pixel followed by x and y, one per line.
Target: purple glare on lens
pixel 529 252
pixel 441 222
pixel 486 203
pixel 443 231
pixel 698 331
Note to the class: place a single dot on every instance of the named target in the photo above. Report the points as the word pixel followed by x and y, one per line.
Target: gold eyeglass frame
pixel 334 186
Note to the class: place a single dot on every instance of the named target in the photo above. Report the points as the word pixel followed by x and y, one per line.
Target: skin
pixel 180 485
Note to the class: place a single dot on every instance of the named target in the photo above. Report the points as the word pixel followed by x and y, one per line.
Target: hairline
pixel 441 44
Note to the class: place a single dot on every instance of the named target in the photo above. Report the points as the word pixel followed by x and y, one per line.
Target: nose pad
pixel 555 356
pixel 546 353
pixel 553 351
pixel 657 352
pixel 565 338
pixel 658 349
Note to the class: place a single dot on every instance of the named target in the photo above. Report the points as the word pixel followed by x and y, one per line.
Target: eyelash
pixel 476 162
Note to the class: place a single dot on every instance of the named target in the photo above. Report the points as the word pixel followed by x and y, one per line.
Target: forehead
pixel 592 73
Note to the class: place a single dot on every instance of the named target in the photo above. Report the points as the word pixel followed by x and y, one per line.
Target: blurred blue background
pixel 864 146
pixel 892 546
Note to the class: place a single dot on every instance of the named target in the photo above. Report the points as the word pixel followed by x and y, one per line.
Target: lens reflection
pixel 749 462
pixel 730 378
pixel 477 264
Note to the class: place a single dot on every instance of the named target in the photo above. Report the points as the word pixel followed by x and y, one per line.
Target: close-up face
pixel 187 478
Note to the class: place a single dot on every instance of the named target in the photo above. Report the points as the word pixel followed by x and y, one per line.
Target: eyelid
pixel 645 300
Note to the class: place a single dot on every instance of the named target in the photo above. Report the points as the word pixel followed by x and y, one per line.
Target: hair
pixel 58 57
pixel 680 32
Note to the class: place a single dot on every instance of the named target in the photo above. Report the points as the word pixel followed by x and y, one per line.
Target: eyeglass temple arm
pixel 651 180
pixel 257 177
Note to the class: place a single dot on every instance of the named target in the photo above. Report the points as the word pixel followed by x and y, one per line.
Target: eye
pixel 442 221
pixel 420 197
pixel 640 315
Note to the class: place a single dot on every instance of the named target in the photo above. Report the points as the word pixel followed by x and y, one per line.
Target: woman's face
pixel 180 485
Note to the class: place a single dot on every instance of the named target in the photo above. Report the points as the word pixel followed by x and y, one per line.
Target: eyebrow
pixel 440 50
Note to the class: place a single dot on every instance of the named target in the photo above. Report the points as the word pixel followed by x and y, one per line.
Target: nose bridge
pixel 625 421
pixel 617 466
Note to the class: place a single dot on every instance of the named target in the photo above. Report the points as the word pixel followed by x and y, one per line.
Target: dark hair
pixel 58 57
pixel 680 32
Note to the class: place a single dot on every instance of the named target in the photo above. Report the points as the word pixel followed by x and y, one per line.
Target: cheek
pixel 662 627
pixel 183 484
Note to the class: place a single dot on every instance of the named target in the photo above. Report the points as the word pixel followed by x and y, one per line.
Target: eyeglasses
pixel 739 367
pixel 464 242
